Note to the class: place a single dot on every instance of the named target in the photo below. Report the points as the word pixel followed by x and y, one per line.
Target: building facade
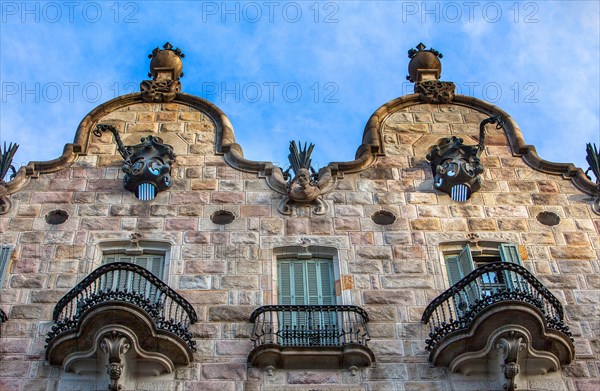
pixel 446 256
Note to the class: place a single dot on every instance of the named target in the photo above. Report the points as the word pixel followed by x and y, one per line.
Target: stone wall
pixel 225 272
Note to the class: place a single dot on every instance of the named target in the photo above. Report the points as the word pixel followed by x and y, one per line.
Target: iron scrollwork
pixel 443 319
pixel 147 166
pixel 593 159
pixel 8 153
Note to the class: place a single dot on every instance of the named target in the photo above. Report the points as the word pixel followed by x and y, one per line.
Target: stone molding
pixel 367 154
pixel 471 351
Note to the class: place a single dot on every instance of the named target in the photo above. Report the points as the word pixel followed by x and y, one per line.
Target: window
pixel 489 283
pixel 153 263
pixel 306 282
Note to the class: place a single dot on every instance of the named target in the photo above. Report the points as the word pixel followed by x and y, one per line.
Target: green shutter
pixel 299 283
pixel 454 272
pixel 156 266
pixel 510 253
pixel 5 252
pixel 285 286
pixel 152 263
pixel 327 285
pixel 465 259
pixel 313 291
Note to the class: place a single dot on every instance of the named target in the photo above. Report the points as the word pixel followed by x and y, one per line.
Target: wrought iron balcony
pixel 498 302
pixel 3 318
pixel 290 336
pixel 122 300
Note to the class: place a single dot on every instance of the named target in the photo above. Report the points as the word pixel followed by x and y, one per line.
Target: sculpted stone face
pixel 302 189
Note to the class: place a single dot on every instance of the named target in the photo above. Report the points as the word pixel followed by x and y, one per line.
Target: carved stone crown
pixel 425 69
pixel 165 70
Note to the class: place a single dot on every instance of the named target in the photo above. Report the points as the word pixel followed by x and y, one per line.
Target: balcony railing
pixel 487 285
pixel 310 325
pixel 3 318
pixel 126 283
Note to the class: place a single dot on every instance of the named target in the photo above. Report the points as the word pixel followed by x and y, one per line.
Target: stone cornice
pixel 367 153
pixel 519 148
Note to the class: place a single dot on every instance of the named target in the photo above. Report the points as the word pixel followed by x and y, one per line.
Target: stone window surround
pixel 307 253
pixel 155 247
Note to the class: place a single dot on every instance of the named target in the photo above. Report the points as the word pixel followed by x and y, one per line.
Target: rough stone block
pixel 400 297
pixel 373 252
pixel 194 282
pixel 313 377
pixel 381 371
pixel 240 282
pixel 230 313
pixel 425 224
pixel 181 224
pixel 27 281
pixel 400 282
pixel 481 224
pixel 572 252
pixel 298 226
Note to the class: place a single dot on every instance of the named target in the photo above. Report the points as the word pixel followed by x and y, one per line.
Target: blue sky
pixel 301 70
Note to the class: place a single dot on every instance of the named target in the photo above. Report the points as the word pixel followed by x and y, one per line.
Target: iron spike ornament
pixel 307 185
pixel 8 153
pixel 147 166
pixel 593 159
pixel 456 167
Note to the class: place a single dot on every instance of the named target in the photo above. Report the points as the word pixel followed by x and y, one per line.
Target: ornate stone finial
pixel 165 70
pixel 147 166
pixel 425 69
pixel 424 64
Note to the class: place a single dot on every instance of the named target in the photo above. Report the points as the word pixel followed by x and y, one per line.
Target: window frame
pixel 306 253
pixel 480 251
pixel 143 247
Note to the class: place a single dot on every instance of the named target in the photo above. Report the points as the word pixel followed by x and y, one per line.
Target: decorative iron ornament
pixel 310 325
pixel 3 318
pixel 8 153
pixel 306 185
pixel 444 319
pixel 166 70
pixel 593 159
pixel 147 165
pixel 127 283
pixel 456 167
